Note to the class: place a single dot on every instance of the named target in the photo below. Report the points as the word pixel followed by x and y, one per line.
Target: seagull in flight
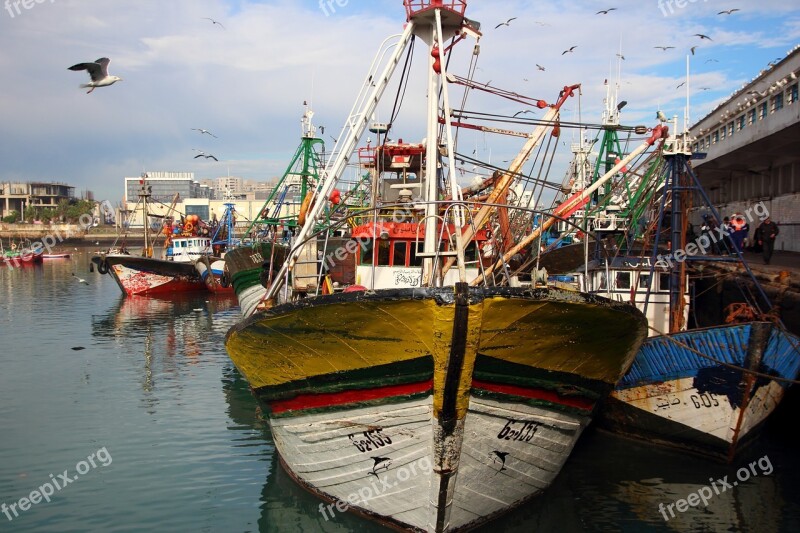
pixel 214 22
pixel 80 280
pixel 605 11
pixel 712 60
pixel 665 48
pixel 681 85
pixel 728 11
pixel 506 23
pixel 521 112
pixel 622 57
pixel 98 72
pixel 203 154
pixel 703 36
pixel 201 130
pixel 539 67
pixel 693 48
pixel 571 48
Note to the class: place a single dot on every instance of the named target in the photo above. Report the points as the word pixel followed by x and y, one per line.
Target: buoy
pixel 304 207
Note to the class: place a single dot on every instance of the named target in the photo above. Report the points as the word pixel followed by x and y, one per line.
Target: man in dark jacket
pixel 767 232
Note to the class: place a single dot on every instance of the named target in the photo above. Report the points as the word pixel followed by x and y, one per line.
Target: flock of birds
pixel 571 49
pixel 99 77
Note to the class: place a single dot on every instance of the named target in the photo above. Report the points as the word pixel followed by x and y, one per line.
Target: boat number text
pixel 256 258
pixel 518 430
pixel 704 399
pixel 373 439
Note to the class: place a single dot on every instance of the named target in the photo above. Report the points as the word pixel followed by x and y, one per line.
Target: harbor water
pixel 126 414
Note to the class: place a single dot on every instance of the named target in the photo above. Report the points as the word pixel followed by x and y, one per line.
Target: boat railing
pixel 417 6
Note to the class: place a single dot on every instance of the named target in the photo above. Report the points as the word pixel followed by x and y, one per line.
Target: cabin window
pixel 400 252
pixel 384 249
pixel 366 252
pixel 415 248
pixel 623 280
pixel 644 281
pixel 663 282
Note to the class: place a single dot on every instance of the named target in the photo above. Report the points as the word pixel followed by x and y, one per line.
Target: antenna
pixel 686 114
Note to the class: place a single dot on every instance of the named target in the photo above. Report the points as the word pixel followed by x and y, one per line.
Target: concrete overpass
pixel 752 142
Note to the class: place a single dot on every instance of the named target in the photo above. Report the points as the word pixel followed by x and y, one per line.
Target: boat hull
pixel 137 275
pixel 212 272
pixel 403 402
pixel 678 398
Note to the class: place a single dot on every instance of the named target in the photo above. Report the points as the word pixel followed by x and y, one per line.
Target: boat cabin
pixel 628 279
pixel 188 249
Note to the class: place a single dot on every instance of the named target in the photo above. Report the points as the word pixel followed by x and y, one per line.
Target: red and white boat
pixel 174 272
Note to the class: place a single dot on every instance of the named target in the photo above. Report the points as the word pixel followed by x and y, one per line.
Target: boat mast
pixel 144 194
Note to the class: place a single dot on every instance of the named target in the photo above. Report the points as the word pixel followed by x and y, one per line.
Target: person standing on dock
pixel 767 232
pixel 740 229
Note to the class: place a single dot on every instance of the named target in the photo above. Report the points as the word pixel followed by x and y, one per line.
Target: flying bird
pixel 664 47
pixel 692 49
pixel 703 36
pixel 98 72
pixel 80 280
pixel 214 22
pixel 571 48
pixel 203 154
pixel 201 130
pixel 705 88
pixel 728 11
pixel 712 60
pixel 622 57
pixel 506 23
pixel 521 112
pixel 539 67
pixel 681 85
pixel 605 11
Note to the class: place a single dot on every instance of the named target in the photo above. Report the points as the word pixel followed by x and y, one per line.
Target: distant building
pixel 165 185
pixel 17 196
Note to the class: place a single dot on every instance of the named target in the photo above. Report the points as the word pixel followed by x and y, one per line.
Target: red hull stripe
pixel 315 401
pixel 536 394
pixel 170 286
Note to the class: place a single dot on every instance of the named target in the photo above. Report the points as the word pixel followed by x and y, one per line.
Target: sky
pixel 246 77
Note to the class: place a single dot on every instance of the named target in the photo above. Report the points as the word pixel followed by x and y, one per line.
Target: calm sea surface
pixel 135 401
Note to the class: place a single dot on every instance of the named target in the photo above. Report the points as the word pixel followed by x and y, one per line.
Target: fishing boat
pixel 175 271
pixel 22 253
pixel 212 268
pixel 704 389
pixel 250 265
pixel 430 394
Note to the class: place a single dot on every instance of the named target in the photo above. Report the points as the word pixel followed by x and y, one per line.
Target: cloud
pixel 247 82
